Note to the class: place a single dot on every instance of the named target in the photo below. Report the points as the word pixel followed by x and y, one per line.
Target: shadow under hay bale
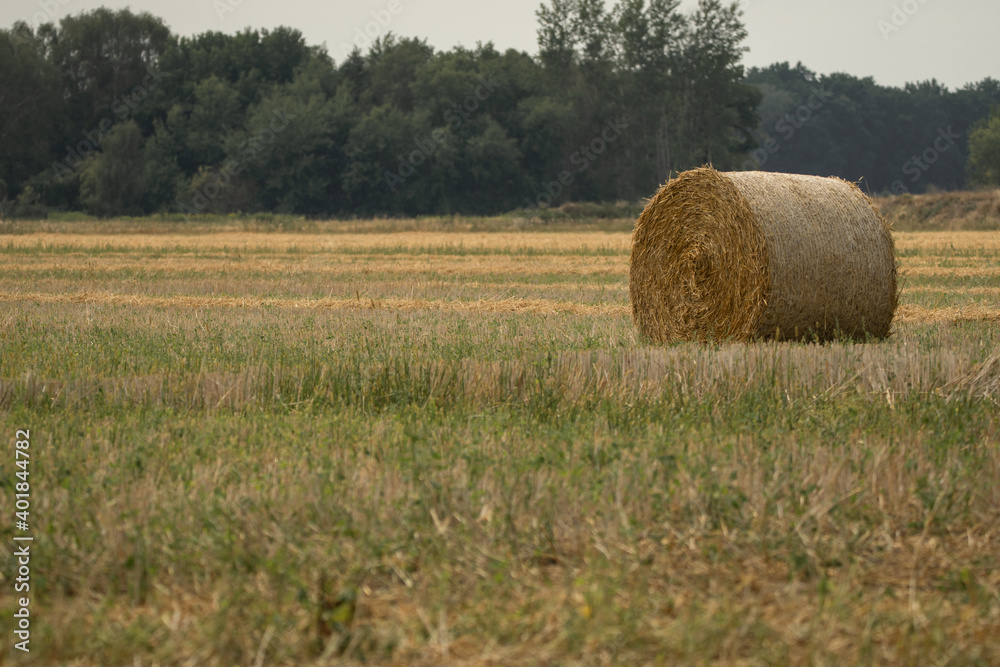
pixel 758 255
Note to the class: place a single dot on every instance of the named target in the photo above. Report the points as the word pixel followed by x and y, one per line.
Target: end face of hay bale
pixel 744 255
pixel 699 264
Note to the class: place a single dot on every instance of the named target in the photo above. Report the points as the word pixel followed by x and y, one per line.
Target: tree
pixel 111 182
pixel 394 66
pixel 984 152
pixel 162 176
pixel 896 139
pixel 292 144
pixel 491 176
pixel 470 101
pixel 107 59
pixel 647 43
pixel 674 81
pixel 109 112
pixel 717 113
pixel 252 61
pixel 388 171
pixel 30 108
pixel 556 41
pixel 215 114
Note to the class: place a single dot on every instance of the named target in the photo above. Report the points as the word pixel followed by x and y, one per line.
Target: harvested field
pixel 479 306
pixel 955 271
pixel 408 242
pixel 949 314
pixel 432 447
pixel 925 241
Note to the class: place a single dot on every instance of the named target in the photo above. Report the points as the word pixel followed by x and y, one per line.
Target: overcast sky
pixel 895 41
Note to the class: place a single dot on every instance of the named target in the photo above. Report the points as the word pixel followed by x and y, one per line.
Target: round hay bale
pixel 749 255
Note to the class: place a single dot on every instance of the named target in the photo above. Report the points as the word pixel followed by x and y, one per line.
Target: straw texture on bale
pixel 750 255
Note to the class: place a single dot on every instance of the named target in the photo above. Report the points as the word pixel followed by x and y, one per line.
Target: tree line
pixel 894 140
pixel 110 113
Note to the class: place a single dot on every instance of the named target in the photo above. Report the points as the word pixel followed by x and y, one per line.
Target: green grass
pixel 536 524
pixel 286 486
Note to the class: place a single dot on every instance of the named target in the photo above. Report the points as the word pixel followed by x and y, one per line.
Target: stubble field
pixel 345 444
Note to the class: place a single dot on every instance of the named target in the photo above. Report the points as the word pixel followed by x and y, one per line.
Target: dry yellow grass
pixel 333 264
pixel 975 209
pixel 627 373
pixel 956 291
pixel 374 276
pixel 952 271
pixel 958 240
pixel 910 313
pixel 961 240
pixel 539 241
pixel 905 313
pixel 351 264
pixel 367 303
pixel 948 259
